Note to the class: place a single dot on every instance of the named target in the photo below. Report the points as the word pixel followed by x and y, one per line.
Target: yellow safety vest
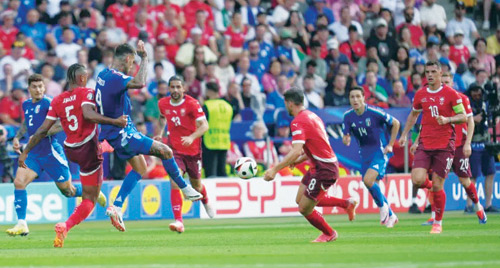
pixel 220 115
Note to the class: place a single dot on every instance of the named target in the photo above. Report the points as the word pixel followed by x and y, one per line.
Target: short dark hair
pixel 212 86
pixel 311 63
pixel 162 82
pixel 84 14
pixel 309 76
pixel 73 71
pixel 357 88
pixel 433 63
pixel 34 78
pixel 175 78
pixel 157 64
pixel 480 39
pixel 448 74
pixel 123 50
pixel 294 95
pixel 480 71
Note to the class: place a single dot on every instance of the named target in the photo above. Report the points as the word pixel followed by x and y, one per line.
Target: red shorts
pixel 439 161
pixel 89 157
pixel 320 178
pixel 461 165
pixel 190 164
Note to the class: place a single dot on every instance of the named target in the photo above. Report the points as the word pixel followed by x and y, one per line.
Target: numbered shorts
pixel 130 143
pixel 439 161
pixel 461 165
pixel 378 163
pixel 54 163
pixel 319 179
pixel 190 164
pixel 89 157
pixel 481 163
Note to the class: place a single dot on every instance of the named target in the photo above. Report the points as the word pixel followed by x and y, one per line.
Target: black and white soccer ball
pixel 245 167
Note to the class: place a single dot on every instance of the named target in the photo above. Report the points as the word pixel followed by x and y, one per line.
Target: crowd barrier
pixel 231 198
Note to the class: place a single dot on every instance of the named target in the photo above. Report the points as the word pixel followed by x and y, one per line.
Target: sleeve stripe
pixel 470 114
pixel 50 117
pixel 298 141
pixel 377 111
pixel 416 110
pixel 201 118
pixel 86 102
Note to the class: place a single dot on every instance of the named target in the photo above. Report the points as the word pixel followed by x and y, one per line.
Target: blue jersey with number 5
pixel 369 129
pixel 112 99
pixel 34 115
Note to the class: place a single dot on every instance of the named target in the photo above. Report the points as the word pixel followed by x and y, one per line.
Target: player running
pixel 112 101
pixel 309 135
pixel 367 125
pixel 441 107
pixel 463 150
pixel 186 124
pixel 75 109
pixel 47 156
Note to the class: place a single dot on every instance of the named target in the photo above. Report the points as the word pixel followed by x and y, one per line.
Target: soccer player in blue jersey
pixel 47 156
pixel 113 100
pixel 367 125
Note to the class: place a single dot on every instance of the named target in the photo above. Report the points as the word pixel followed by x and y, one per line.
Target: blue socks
pixel 20 203
pixel 128 184
pixel 377 195
pixel 173 171
pixel 78 187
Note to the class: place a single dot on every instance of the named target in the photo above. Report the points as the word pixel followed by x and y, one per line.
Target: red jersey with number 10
pixel 181 121
pixel 461 129
pixel 445 102
pixel 309 129
pixel 68 107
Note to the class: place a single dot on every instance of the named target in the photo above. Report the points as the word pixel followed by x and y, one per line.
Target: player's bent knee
pixel 67 192
pixel 19 184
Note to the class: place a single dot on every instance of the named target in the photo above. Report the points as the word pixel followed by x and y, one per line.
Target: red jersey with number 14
pixel 445 102
pixel 309 129
pixel 181 121
pixel 461 129
pixel 68 108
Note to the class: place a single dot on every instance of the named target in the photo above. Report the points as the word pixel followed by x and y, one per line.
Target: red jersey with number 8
pixel 309 129
pixel 181 121
pixel 444 101
pixel 68 108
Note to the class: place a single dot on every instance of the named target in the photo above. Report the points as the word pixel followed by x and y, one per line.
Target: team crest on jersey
pixel 424 100
pixel 441 100
pixel 90 96
pixel 183 112
pixel 368 122
pixel 37 109
pixel 167 111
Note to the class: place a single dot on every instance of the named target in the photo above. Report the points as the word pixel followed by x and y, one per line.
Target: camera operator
pixel 481 161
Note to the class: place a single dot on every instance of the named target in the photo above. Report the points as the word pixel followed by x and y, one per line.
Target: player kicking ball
pixel 113 100
pixel 441 108
pixel 367 124
pixel 46 156
pixel 75 110
pixel 309 136
pixel 186 124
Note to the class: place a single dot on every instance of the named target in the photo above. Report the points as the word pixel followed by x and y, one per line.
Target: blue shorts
pixel 377 162
pixel 130 143
pixel 54 163
pixel 481 163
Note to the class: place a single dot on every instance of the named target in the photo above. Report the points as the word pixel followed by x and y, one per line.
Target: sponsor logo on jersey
pixel 167 111
pixel 70 98
pixel 424 100
pixel 353 124
pixel 90 96
pixel 100 81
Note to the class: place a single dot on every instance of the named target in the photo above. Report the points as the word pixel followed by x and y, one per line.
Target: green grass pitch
pixel 264 242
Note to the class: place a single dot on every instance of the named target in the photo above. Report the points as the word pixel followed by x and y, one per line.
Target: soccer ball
pixel 245 167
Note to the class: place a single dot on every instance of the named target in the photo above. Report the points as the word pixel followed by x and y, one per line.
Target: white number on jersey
pixel 362 131
pixel 30 121
pixel 434 111
pixel 72 119
pixel 464 164
pixel 449 162
pixel 312 184
pixel 176 120
pixel 98 100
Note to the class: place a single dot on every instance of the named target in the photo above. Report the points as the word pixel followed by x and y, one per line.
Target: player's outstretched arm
pixel 56 128
pixel 19 135
pixel 201 128
pixel 346 139
pixel 35 139
pixel 468 138
pixel 139 81
pixel 289 159
pixel 410 122
pixel 162 123
pixel 91 115
pixel 394 134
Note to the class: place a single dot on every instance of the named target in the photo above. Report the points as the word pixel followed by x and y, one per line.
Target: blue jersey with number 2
pixel 34 115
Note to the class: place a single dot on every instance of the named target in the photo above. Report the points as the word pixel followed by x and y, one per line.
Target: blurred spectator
pixel 151 111
pixel 337 96
pixel 370 59
pixel 269 80
pixel 121 13
pixel 375 94
pixel 190 13
pixel 266 47
pixel 41 7
pixel 311 97
pixel 394 75
pixel 432 50
pixel 243 72
pixel 466 25
pixel 224 16
pixel 493 43
pixel 207 31
pixel 257 148
pixel 193 85
pixel 415 83
pixel 416 32
pixel 403 61
pixel 96 19
pixel 353 5
pixel 386 14
pixel 386 47
pixel 295 25
pixel 469 76
pixel 8 31
pixel 87 35
pixel 459 53
pixel 486 61
pixel 156 79
pixel 59 71
pixel 107 60
pixel 161 57
pixel 315 55
pixel 433 14
pixel 458 83
pixel 67 51
pixel 341 27
pixel 316 9
pixel 282 12
pixel 210 77
pixel 236 35
pixel 250 11
pixel 96 52
pixel 322 35
pixel 21 67
pixel 399 98
pixel 164 6
pixel 276 99
pixel 482 81
pixel 64 8
pixel 38 32
pixel 233 97
pixel 401 10
pixel 233 154
pixel 7 83
pixel 334 56
pixel 170 33
pixel 224 72
pixel 52 88
pixel 353 47
pixel 115 35
pixel 11 112
pixel 141 24
pixel 186 54
pixel 319 83
pixel 246 91
pixel 444 52
pixel 258 64
pixel 286 51
pixel 63 23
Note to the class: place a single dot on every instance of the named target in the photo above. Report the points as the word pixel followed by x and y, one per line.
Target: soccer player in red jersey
pixel 75 109
pixel 463 150
pixel 441 107
pixel 186 124
pixel 309 135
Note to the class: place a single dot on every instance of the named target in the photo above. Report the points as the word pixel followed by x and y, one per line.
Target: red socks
pixel 427 184
pixel 176 200
pixel 80 213
pixel 317 220
pixel 204 200
pixel 330 201
pixel 472 193
pixel 439 203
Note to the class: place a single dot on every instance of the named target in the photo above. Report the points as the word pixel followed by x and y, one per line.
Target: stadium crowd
pixel 252 50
